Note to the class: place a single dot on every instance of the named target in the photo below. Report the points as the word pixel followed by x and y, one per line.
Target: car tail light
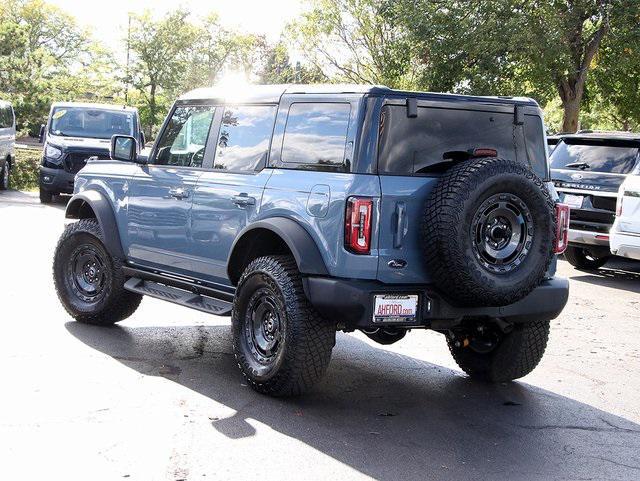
pixel 562 228
pixel 357 225
pixel 484 152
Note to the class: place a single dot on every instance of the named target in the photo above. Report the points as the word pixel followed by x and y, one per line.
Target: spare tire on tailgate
pixel 487 232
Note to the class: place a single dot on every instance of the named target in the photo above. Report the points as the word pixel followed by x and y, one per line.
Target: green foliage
pixel 25 172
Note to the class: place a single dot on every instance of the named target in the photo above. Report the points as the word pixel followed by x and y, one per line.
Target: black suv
pixel 587 169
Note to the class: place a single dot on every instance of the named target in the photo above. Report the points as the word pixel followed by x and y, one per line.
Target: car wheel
pixel 582 258
pixel 486 353
pixel 88 280
pixel 282 345
pixel 45 196
pixel 4 176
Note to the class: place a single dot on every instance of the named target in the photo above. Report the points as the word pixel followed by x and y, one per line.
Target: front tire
pixel 582 258
pixel 497 357
pixel 282 345
pixel 88 280
pixel 46 197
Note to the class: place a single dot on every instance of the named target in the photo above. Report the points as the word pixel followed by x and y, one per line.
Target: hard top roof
pixel 272 93
pixel 602 135
pixel 94 106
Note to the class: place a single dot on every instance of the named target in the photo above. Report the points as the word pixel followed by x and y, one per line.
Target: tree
pixel 160 50
pixel 277 68
pixel 42 51
pixel 543 48
pixel 356 41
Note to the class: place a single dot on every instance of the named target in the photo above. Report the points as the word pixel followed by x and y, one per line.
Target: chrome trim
pixel 599 193
pixel 590 172
pixel 587 237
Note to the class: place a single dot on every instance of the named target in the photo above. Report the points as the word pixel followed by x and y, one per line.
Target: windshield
pixel 91 122
pixel 594 157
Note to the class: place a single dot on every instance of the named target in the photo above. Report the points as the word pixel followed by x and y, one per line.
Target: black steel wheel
pixel 281 343
pixel 502 231
pixel 88 279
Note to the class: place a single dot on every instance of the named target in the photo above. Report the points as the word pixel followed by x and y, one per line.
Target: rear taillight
pixel 357 225
pixel 562 228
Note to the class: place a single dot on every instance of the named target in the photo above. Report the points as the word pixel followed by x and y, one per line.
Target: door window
pixel 316 134
pixel 245 134
pixel 184 138
pixel 6 117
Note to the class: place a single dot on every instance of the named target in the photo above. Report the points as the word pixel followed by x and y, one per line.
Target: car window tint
pixel 6 117
pixel 594 156
pixel 412 145
pixel 316 134
pixel 245 133
pixel 184 139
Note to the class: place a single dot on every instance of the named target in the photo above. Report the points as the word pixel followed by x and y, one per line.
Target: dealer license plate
pixel 573 201
pixel 395 308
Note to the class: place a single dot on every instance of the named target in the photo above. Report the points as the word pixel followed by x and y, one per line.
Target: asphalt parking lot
pixel 159 397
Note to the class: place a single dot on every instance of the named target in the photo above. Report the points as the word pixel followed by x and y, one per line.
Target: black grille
pixel 604 203
pixel 75 161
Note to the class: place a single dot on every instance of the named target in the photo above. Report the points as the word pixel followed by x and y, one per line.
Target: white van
pixel 624 236
pixel 7 142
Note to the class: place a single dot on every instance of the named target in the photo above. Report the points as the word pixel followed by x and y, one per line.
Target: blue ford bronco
pixel 303 210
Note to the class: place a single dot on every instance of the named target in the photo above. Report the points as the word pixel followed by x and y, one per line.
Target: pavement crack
pixel 612 428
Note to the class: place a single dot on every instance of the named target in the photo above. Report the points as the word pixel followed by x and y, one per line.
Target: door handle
pixel 179 193
pixel 243 200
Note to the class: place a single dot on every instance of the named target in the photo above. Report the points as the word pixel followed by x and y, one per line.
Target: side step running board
pixel 200 302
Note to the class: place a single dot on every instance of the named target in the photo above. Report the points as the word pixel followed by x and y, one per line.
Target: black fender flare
pixel 103 211
pixel 298 240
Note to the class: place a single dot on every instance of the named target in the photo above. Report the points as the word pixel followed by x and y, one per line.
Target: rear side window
pixel 316 134
pixel 594 156
pixel 534 143
pixel 6 117
pixel 184 138
pixel 416 145
pixel 245 133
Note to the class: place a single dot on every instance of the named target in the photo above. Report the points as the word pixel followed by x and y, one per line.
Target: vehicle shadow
pixel 617 273
pixel 12 198
pixel 391 416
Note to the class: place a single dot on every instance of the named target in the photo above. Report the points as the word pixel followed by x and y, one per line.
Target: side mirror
pixel 143 140
pixel 41 135
pixel 124 147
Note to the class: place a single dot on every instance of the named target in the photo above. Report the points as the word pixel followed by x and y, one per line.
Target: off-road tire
pixel 5 173
pixel 581 258
pixel 46 197
pixel 307 339
pixel 114 303
pixel 448 238
pixel 517 354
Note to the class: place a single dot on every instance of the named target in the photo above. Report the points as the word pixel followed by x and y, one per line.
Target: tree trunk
pixel 571 114
pixel 152 109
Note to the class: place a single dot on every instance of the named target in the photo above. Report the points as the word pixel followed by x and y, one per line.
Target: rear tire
pixel 46 197
pixel 515 354
pixel 88 280
pixel 582 258
pixel 282 345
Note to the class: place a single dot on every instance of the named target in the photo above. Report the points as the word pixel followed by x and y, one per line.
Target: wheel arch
pixel 93 204
pixel 277 235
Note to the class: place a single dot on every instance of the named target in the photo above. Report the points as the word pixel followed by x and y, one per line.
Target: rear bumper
pixel 588 238
pixel 56 180
pixel 626 245
pixel 350 303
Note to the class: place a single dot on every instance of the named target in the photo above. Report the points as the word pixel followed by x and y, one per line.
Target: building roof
pixel 272 93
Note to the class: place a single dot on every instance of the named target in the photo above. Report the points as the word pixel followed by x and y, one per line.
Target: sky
pixel 108 18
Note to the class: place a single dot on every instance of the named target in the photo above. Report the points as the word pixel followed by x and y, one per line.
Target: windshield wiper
pixel 578 165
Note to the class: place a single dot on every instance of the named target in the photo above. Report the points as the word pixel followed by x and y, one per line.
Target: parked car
pixel 588 169
pixel 304 210
pixel 73 133
pixel 625 233
pixel 7 143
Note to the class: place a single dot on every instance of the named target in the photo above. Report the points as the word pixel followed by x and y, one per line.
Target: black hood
pixel 584 180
